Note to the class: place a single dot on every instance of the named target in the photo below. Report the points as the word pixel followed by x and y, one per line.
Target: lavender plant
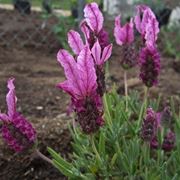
pixel 110 141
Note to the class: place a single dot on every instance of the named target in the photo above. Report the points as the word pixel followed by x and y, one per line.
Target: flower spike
pixel 81 85
pixel 149 61
pixel 17 132
pixel 124 37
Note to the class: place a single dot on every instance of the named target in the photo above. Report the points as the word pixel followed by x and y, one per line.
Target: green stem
pixel 126 89
pixel 42 156
pixel 108 118
pixel 94 148
pixel 143 107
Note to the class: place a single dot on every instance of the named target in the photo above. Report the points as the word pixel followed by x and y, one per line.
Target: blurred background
pixel 31 33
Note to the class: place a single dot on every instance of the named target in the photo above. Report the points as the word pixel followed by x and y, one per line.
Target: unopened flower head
pixel 166 117
pixel 17 132
pixel 81 85
pixel 89 116
pixel 169 141
pixel 149 127
pixel 153 124
pixel 149 62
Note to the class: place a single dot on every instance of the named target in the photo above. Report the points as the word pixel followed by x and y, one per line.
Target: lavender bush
pixel 114 137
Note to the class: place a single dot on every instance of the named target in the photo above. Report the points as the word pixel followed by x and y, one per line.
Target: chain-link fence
pixel 25 23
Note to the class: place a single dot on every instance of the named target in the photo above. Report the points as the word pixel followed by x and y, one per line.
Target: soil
pixel 37 72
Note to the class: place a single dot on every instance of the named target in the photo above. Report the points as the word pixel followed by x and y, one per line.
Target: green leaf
pixel 59 159
pixel 63 169
pixel 102 143
pixel 113 160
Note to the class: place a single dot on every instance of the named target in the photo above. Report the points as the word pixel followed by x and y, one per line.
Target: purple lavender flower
pixel 166 117
pixel 149 62
pixel 100 56
pixel 149 127
pixel 124 37
pixel 146 24
pixel 149 132
pixel 96 39
pixel 92 26
pixel 81 85
pixel 17 132
pixel 169 141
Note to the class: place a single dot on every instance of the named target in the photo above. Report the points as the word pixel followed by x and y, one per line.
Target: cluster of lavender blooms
pixel 16 131
pixel 85 80
pixel 85 77
pixel 148 59
pixel 85 73
pixel 155 122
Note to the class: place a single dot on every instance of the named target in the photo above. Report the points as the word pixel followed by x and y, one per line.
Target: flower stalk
pixel 143 107
pixel 42 156
pixel 126 89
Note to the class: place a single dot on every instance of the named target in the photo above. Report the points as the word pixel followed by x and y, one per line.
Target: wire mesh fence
pixel 24 25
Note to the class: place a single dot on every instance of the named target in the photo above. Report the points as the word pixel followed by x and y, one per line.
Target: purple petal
pixel 103 38
pixel 96 52
pixel 70 68
pixel 87 72
pixel 66 86
pixel 123 34
pixel 152 30
pixel 4 117
pixel 106 53
pixel 130 31
pixel 93 17
pixel 146 14
pixel 75 41
pixel 85 30
pixel 11 98
pixel 137 20
pixel 117 31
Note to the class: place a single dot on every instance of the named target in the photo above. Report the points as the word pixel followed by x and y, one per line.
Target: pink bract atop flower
pixel 80 74
pixel 100 56
pixel 92 26
pixel 146 24
pixel 81 85
pixel 93 17
pixel 16 130
pixel 124 37
pixel 75 41
pixel 149 61
pixel 125 34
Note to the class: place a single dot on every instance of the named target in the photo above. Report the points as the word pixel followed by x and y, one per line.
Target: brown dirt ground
pixel 37 72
